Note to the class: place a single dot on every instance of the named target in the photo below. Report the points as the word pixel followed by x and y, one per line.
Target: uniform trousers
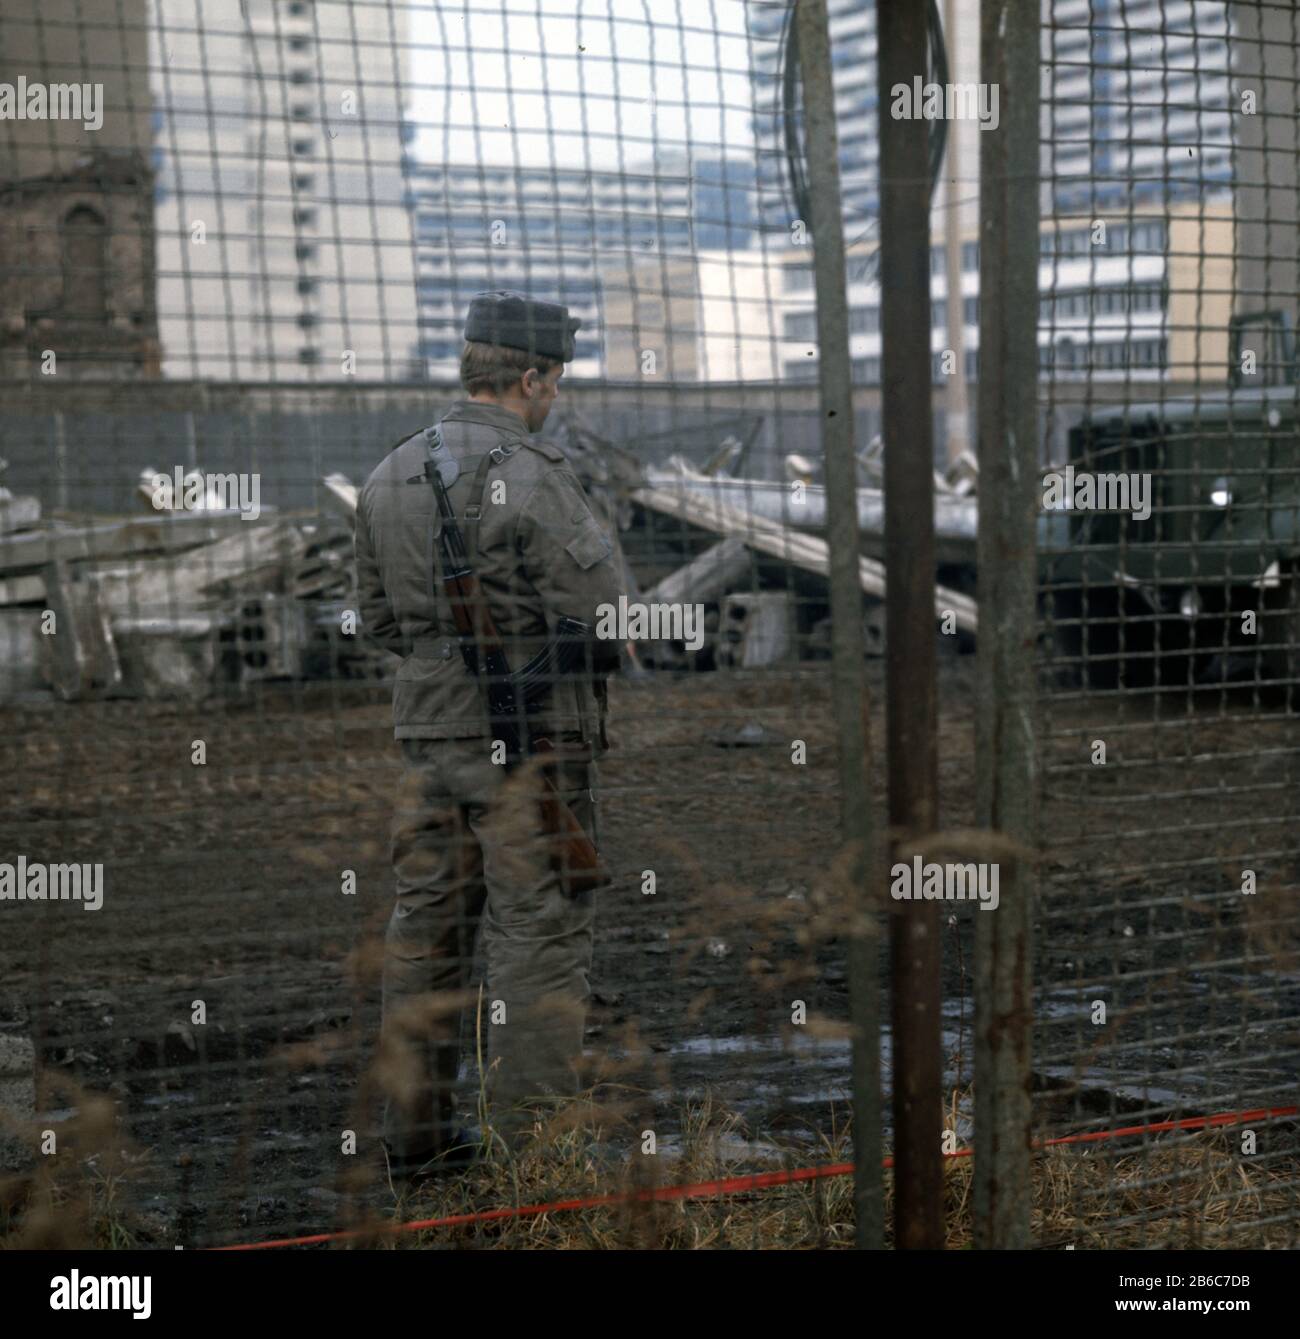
pixel 471 857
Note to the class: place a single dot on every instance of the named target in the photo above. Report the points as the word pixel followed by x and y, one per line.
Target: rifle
pixel 512 698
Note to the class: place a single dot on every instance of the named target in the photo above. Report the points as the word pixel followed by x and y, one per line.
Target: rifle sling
pixel 474 512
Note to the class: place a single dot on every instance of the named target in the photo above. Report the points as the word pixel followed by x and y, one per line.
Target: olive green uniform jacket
pixel 540 555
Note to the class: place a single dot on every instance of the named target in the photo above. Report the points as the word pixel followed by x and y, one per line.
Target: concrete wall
pixel 293 434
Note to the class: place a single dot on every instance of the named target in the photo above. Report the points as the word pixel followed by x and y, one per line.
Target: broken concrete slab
pixel 26 589
pixel 756 629
pixel 271 636
pixel 707 578
pixel 20 653
pixel 186 627
pixel 156 667
pixel 326 569
pixel 18 512
pixel 255 559
pixel 58 541
pixel 77 649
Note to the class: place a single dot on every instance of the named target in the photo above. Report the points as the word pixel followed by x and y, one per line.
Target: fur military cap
pixel 520 322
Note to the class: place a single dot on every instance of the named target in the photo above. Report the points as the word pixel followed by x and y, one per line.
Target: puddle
pixel 757 1077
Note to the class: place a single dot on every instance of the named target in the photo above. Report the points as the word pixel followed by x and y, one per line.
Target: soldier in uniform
pixel 468 848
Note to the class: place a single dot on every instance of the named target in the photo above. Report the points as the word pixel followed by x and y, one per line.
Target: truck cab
pixel 1204 588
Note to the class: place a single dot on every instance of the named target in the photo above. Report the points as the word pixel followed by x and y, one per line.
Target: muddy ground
pixel 223 884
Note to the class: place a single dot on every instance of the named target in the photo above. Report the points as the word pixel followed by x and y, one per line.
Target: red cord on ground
pixel 737 1184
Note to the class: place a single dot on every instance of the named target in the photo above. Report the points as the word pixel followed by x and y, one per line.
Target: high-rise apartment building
pixel 1137 134
pixel 285 248
pixel 1136 102
pixel 611 245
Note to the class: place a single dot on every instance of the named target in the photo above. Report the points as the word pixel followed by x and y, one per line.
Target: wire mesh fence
pixel 1166 976
pixel 267 256
pixel 237 271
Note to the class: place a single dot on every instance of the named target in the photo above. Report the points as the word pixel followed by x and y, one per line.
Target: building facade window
pixel 1127 356
pixel 1079 303
pixel 85 277
pixel 801 325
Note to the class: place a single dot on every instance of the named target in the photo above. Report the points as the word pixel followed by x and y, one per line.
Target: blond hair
pixel 495 368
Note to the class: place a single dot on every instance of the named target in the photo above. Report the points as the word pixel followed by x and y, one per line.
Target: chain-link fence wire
pixel 1166 981
pixel 257 266
pixel 235 272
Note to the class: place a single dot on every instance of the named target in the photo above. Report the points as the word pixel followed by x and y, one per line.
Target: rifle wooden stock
pixel 573 853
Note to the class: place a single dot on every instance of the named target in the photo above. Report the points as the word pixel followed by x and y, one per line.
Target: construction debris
pixel 178 604
pixel 756 629
pixel 340 493
pixel 785 543
pixel 77 646
pixel 705 579
pixel 17 513
pixel 167 533
pixel 195 600
pixel 801 507
pixel 21 661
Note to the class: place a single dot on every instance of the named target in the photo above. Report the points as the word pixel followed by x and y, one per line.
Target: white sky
pixel 505 81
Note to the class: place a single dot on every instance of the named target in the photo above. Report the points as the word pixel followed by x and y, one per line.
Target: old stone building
pixel 77 267
pixel 77 275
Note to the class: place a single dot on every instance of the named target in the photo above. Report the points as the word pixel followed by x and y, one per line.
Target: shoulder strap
pixel 449 468
pixel 474 511
pixel 547 449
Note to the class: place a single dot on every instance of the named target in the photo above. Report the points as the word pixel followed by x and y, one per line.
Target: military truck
pixel 1206 588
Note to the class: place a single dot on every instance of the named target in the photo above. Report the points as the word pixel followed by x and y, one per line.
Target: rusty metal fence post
pixel 849 684
pixel 910 625
pixel 1005 771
